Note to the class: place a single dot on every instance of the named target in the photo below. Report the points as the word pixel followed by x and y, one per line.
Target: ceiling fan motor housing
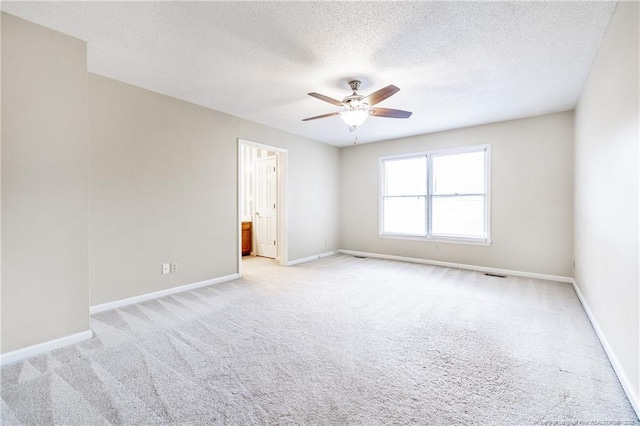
pixel 356 108
pixel 355 102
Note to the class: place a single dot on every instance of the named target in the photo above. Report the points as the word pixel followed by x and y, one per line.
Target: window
pixel 441 195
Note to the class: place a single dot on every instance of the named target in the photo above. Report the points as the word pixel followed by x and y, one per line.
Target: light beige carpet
pixel 341 340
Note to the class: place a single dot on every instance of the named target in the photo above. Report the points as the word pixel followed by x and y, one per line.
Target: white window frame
pixel 429 156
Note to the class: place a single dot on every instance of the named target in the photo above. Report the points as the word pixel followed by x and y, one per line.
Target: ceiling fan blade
pixel 381 94
pixel 325 98
pixel 391 113
pixel 331 114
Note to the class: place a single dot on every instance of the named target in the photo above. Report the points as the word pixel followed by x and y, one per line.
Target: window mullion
pixel 459 212
pixel 475 194
pixel 428 197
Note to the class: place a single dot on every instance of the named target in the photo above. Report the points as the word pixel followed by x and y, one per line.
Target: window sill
pixel 453 240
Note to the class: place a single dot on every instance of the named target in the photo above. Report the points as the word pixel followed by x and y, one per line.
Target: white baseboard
pixel 498 271
pixel 314 257
pixel 624 380
pixel 40 348
pixel 156 294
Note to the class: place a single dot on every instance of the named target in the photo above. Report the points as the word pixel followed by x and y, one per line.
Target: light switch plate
pixel 174 267
pixel 166 268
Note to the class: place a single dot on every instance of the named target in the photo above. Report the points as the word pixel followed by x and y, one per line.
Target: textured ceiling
pixel 457 63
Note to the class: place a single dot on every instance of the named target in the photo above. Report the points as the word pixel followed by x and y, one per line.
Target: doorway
pixel 262 202
pixel 265 214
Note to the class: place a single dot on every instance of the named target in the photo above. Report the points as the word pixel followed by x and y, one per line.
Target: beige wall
pixel 163 188
pixel 607 191
pixel 531 196
pixel 44 185
pixel 313 189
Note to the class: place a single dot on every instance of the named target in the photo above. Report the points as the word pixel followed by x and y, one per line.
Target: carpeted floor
pixel 340 340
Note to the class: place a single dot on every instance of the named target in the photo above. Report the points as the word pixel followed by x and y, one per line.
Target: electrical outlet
pixel 437 247
pixel 166 268
pixel 174 267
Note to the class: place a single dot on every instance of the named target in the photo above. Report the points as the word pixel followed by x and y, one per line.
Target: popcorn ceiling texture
pixel 341 340
pixel 457 63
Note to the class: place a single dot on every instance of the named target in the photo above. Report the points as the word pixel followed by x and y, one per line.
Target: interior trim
pixel 41 348
pixel 498 271
pixel 624 380
pixel 156 294
pixel 314 257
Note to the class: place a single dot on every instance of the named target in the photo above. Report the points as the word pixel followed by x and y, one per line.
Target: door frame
pixel 282 249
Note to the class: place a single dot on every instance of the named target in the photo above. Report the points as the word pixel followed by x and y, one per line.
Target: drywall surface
pixel 161 175
pixel 531 196
pixel 163 188
pixel 45 288
pixel 313 192
pixel 607 191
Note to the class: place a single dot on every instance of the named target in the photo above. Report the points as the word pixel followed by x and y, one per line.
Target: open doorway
pixel 261 202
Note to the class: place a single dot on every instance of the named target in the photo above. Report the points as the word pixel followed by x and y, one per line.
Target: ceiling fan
pixel 356 108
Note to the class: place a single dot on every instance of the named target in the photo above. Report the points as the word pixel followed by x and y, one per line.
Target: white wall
pixel 44 185
pixel 163 188
pixel 531 196
pixel 607 192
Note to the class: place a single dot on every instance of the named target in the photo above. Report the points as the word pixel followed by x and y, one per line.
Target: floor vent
pixel 495 275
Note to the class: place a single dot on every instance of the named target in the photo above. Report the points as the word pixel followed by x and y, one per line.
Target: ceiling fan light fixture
pixel 354 117
pixel 356 108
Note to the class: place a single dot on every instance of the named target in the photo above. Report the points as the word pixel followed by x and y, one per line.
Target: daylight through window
pixel 439 195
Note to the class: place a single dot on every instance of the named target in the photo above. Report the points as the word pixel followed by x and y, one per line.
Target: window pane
pixel 404 215
pixel 406 176
pixel 458 216
pixel 459 173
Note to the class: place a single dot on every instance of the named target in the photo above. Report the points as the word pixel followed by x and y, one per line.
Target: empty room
pixel 323 213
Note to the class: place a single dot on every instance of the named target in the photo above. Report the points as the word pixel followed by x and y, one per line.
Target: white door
pixel 265 222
